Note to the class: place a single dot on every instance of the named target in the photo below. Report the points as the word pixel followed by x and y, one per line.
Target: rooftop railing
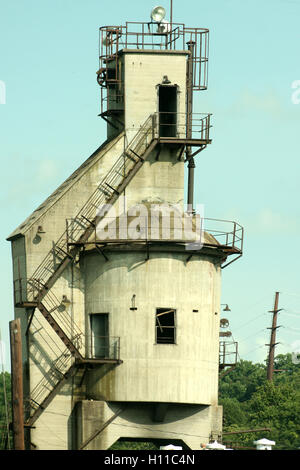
pixel 147 36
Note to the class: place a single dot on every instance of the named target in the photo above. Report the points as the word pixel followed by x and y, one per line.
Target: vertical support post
pixel 67 235
pixel 171 23
pixel 272 344
pixel 189 118
pixel 17 384
pixel 153 118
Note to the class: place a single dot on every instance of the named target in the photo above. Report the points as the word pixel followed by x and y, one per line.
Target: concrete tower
pixel 116 281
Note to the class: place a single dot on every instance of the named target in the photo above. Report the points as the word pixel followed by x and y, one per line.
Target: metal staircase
pixel 108 191
pixel 61 370
pixel 36 292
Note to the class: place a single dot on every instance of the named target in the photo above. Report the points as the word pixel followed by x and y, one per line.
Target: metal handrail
pixel 102 194
pixel 62 364
pixel 225 354
pixel 175 125
pixel 183 228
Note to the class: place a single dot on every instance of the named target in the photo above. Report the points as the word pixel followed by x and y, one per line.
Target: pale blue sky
pixel 49 126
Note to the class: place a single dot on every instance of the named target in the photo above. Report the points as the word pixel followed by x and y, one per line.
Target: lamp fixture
pixel 133 307
pixel 65 301
pixel 40 230
pixel 226 309
pixel 166 81
pixel 158 14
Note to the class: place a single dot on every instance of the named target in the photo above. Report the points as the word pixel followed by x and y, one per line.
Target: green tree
pixel 250 401
pixel 4 392
pixel 242 381
pixel 277 406
pixel 233 413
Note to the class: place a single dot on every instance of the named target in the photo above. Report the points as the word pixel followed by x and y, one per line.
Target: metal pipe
pixel 189 117
pixel 244 431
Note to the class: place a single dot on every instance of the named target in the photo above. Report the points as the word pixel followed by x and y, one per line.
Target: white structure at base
pixel 215 446
pixel 170 447
pixel 264 444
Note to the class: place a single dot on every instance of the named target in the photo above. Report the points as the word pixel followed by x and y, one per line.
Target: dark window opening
pixel 165 326
pixel 167 96
pixel 99 335
pixel 111 74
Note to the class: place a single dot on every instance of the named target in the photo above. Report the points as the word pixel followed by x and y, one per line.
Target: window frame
pixel 160 311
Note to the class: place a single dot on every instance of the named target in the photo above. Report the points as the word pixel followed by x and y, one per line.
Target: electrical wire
pixel 244 324
pixel 255 349
pixel 250 336
pixel 295 315
pixel 292 329
pixel 132 426
pixel 291 294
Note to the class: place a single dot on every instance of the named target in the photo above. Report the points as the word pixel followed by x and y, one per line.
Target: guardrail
pixel 156 227
pixel 228 352
pixel 174 125
pixel 151 36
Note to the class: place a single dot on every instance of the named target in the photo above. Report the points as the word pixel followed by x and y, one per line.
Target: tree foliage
pixel 251 402
pixel 4 411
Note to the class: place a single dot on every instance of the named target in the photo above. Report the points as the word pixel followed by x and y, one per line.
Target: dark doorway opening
pixel 167 96
pixel 99 335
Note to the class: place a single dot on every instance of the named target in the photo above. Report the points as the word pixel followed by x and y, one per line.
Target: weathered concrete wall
pixel 161 180
pixel 144 71
pixel 192 424
pixel 28 252
pixel 185 372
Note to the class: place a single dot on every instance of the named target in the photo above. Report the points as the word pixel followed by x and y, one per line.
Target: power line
pixel 244 324
pixel 250 307
pixel 251 336
pixel 258 347
pixel 295 314
pixel 165 431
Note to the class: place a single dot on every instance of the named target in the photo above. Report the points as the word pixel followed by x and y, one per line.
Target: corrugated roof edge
pixel 62 189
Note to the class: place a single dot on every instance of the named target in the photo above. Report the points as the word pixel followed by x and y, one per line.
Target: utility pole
pixel 17 384
pixel 273 343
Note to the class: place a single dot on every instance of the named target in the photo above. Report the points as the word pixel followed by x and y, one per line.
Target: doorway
pixel 167 107
pixel 99 335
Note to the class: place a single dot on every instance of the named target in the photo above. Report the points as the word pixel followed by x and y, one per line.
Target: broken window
pixel 165 326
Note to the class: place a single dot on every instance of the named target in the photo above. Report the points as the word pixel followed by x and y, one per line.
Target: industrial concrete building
pixel 120 306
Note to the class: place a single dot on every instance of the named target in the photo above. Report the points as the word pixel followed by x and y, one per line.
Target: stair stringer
pixel 70 258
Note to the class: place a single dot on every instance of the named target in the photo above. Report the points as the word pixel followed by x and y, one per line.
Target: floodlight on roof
pixel 158 14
